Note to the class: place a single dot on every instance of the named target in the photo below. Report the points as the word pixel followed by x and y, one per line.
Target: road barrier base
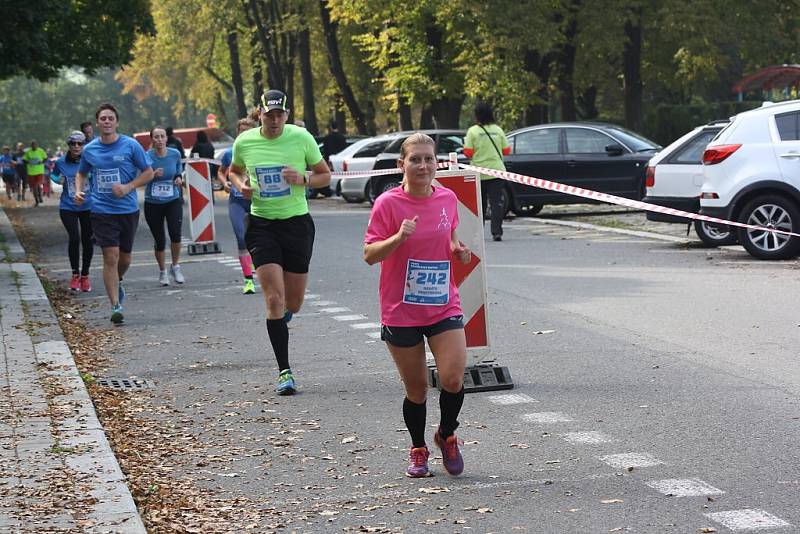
pixel 481 377
pixel 211 247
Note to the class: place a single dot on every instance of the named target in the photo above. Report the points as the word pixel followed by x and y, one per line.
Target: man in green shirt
pixel 35 158
pixel 269 167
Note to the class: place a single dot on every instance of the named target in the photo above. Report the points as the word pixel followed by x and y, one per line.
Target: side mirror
pixel 614 149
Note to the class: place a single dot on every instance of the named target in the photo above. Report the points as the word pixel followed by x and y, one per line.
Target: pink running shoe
pixel 75 282
pixel 418 463
pixel 86 285
pixel 451 457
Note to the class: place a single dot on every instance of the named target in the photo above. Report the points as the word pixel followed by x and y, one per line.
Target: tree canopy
pixel 38 38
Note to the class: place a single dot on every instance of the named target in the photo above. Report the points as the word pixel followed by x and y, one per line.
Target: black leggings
pixel 79 229
pixel 155 214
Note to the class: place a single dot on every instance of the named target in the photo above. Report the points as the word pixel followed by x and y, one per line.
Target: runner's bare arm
pixel 238 179
pixel 79 194
pixel 459 249
pixel 378 251
pixel 320 176
pixel 120 190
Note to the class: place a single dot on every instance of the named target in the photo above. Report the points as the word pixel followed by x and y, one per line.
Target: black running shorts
pixel 287 242
pixel 411 336
pixel 115 230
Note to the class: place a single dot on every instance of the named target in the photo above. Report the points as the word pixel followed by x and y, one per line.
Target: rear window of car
pixel 372 149
pixel 449 143
pixel 543 141
pixel 632 140
pixel 394 146
pixel 691 153
pixel 788 126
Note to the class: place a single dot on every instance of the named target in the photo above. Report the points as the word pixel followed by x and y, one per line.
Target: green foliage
pixel 38 38
pixel 47 112
pixel 663 123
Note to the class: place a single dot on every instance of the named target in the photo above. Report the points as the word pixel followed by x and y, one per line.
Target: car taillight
pixel 344 165
pixel 718 154
pixel 650 177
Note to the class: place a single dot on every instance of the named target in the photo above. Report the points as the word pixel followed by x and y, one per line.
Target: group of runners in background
pixel 411 234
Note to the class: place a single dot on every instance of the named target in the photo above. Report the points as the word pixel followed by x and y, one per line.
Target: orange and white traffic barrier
pixel 201 208
pixel 481 374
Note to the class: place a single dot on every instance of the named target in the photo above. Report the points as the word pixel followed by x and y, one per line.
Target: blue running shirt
pixel 121 161
pixel 64 173
pixel 162 189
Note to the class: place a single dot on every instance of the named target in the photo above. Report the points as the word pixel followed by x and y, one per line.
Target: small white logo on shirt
pixel 444 222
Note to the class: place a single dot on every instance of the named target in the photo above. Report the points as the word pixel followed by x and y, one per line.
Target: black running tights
pixel 79 229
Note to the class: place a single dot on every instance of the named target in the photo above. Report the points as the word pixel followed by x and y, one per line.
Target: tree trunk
pixel 587 103
pixel 309 111
pixel 258 75
pixel 329 28
pixel 541 65
pixel 404 114
pixel 268 46
pixel 446 112
pixel 236 73
pixel 426 118
pixel 566 63
pixel 632 70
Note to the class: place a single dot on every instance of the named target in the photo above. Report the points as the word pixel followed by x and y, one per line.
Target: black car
pixel 447 141
pixel 597 156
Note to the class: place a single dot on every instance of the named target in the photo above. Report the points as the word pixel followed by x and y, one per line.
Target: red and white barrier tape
pixel 612 199
pixel 209 160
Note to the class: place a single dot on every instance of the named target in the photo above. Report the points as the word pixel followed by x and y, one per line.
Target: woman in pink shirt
pixel 412 233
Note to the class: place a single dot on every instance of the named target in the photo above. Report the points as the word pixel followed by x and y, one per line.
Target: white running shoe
pixel 177 275
pixel 163 279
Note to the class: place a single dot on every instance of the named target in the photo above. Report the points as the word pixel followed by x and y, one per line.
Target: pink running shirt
pixel 416 283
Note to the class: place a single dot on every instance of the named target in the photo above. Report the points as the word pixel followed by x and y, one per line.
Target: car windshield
pixel 634 141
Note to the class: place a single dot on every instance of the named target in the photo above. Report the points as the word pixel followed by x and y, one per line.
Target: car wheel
pixel 770 211
pixel 351 200
pixel 714 235
pixel 339 188
pixel 527 210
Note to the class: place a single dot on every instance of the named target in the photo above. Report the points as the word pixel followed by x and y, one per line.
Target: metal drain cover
pixel 125 383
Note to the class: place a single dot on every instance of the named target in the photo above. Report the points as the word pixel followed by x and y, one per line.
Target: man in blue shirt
pixel 8 165
pixel 118 166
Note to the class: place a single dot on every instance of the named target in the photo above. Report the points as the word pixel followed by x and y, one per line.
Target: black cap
pixel 273 99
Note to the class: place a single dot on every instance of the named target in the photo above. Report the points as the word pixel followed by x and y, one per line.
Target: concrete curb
pixel 14 251
pixel 93 460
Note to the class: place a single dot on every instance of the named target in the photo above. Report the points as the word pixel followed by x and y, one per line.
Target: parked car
pixel 447 141
pixel 592 155
pixel 333 187
pixel 751 175
pixel 360 156
pixel 361 188
pixel 674 179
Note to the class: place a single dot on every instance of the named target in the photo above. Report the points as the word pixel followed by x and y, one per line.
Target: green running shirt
pixel 273 197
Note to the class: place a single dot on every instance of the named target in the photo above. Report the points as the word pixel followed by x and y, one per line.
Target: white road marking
pixel 323 303
pixel 335 310
pixel 364 326
pixel 512 398
pixel 749 519
pixel 630 459
pixel 311 296
pixel 546 417
pixel 684 487
pixel 355 317
pixel 591 437
pixel 374 335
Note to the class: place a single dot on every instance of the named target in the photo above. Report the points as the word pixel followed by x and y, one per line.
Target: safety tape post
pixel 612 199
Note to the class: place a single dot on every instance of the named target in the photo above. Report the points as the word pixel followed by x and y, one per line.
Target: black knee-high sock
pixel 279 337
pixel 414 416
pixel 450 407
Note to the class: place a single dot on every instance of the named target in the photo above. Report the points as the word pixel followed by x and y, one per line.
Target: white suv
pixel 752 175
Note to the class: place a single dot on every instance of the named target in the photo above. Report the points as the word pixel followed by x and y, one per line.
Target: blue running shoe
pixel 121 293
pixel 286 385
pixel 418 463
pixel 287 316
pixel 451 457
pixel 116 314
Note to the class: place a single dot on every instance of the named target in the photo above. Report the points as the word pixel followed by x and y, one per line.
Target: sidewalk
pixel 57 470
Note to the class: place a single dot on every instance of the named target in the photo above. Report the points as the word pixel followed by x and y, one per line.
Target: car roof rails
pixel 718 121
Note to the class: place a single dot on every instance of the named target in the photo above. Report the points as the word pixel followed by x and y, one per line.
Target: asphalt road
pixel 656 386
